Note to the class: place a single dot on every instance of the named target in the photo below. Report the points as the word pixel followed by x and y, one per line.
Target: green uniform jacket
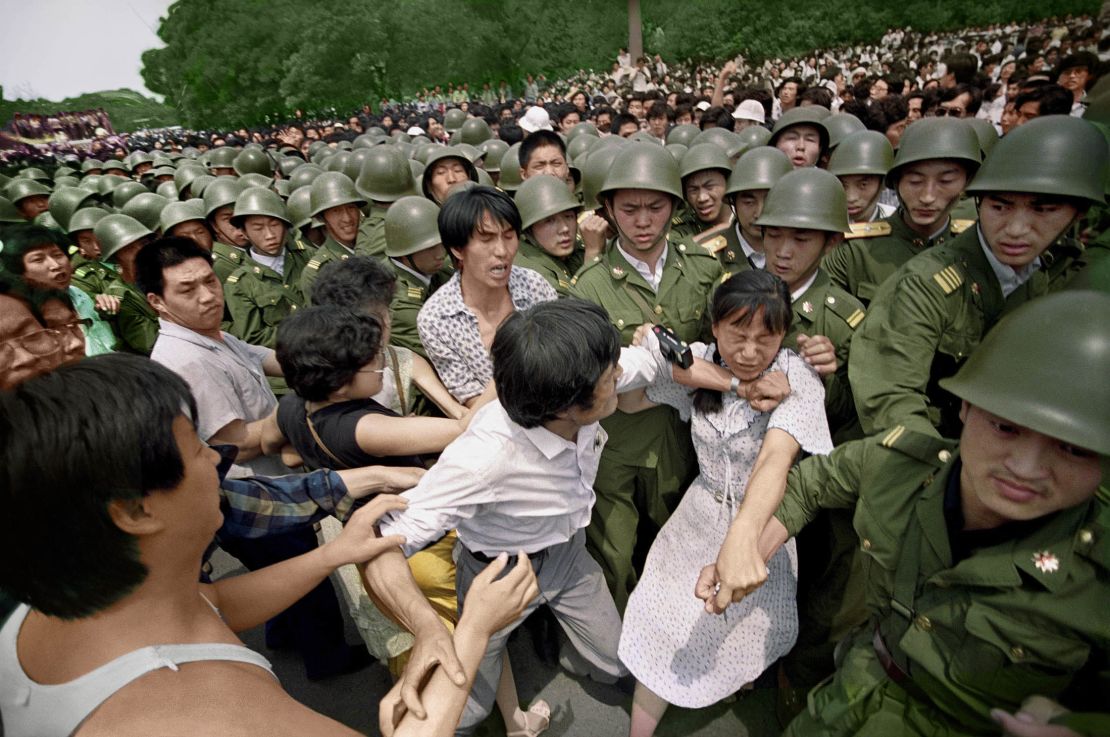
pixel 684 224
pixel 136 323
pixel 259 298
pixel 371 233
pixel 924 323
pixel 1020 617
pixel 93 277
pixel 226 259
pixel 826 309
pixel 724 241
pixel 558 272
pixel 409 297
pixel 860 265
pixel 331 250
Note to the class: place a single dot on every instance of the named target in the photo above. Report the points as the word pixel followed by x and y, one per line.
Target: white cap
pixel 415 131
pixel 703 106
pixel 535 119
pixel 750 110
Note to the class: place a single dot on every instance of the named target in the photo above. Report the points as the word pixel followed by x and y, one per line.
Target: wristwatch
pixel 734 386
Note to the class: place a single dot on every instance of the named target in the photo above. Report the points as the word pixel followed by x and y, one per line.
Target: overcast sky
pixel 41 52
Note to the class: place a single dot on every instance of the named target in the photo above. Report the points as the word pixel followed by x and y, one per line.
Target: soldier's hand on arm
pixel 819 352
pixel 107 303
pixel 767 392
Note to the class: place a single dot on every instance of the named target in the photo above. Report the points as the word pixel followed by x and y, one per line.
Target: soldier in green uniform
pixel 705 169
pixel 549 227
pixel 334 200
pixel 987 560
pixel 186 220
pixel 417 255
pixel 265 289
pixel 65 201
pixel 219 204
pixel 31 198
pixel 801 134
pixel 861 162
pixel 935 161
pixel 221 161
pixel 642 277
pixel 90 273
pixel 385 178
pixel 136 323
pixel 146 207
pixel 739 244
pixel 932 313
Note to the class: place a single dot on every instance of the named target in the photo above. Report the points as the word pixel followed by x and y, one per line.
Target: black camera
pixel 674 350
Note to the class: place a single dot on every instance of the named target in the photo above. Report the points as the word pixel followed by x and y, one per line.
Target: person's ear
pixel 964 407
pixel 156 302
pixel 134 516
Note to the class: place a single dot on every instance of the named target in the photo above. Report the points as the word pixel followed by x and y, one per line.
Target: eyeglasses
pixel 954 112
pixel 380 361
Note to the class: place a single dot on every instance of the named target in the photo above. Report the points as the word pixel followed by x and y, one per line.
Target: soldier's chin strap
pixel 623 237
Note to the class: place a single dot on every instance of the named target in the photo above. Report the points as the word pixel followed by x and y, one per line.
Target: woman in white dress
pixel 679 653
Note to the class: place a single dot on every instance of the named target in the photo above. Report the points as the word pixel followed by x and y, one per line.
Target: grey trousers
pixel 572 585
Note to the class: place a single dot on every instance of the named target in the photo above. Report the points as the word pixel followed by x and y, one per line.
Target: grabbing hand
pixel 595 234
pixel 493 604
pixel 359 541
pixel 433 647
pixel 641 334
pixel 768 391
pixel 740 570
pixel 819 352
pixel 395 479
pixel 107 303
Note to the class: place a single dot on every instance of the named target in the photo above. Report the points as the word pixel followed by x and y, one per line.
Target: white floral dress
pixel 669 642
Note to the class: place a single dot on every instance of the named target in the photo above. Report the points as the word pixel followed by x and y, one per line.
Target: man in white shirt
pixel 520 479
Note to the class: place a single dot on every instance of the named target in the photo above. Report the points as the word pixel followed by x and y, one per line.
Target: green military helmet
pixel 64 171
pixel 107 184
pixel 643 137
pixel 419 140
pixel 684 134
pixel 167 190
pixel 288 164
pixel 317 146
pixel 4 179
pixel 595 170
pixel 184 176
pixel 332 189
pixel 146 207
pixel 936 138
pixel 754 135
pixel 89 166
pixel 418 170
pixel 176 213
pixel 643 166
pixel 984 130
pixel 494 149
pixel 138 157
pixel 385 175
pixel 258 201
pixel 220 193
pixel 376 130
pixel 1015 371
pixel 704 157
pixel 222 158
pixel 842 125
pixel 65 182
pixel 8 212
pixel 399 136
pixel 299 207
pixel 759 168
pixel 161 171
pixel 677 150
pixel 454 119
pixel 1060 155
pixel 160 160
pixel 473 153
pixel 35 173
pixel 407 148
pixel 368 140
pixel 125 191
pixel 474 131
pixel 86 219
pixel 542 196
pixel 281 186
pixel 353 166
pixel 486 179
pixel 449 152
pixel 66 201
pixel 865 152
pixel 510 178
pixel 337 162
pixel 585 128
pixel 253 161
pixel 117 167
pixel 411 226
pixel 580 145
pixel 116 232
pixel 814 115
pixel 46 220
pixel 196 189
pixel 343 146
pixel 304 176
pixel 726 140
pixel 807 199
pixel 256 180
pixel 21 188
pixel 91 182
pixel 423 151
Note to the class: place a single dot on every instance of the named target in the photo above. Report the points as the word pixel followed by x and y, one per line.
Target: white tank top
pixel 31 709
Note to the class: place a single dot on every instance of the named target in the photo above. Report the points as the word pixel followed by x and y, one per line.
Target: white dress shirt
pixel 1009 278
pixel 642 268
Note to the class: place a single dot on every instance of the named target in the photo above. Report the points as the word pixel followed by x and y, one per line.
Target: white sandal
pixel 535 721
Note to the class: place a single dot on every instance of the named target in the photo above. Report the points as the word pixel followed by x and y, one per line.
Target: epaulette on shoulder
pixel 694 249
pixel 845 306
pixel 233 277
pixel 313 264
pixel 84 270
pixel 867 230
pixel 949 279
pixel 709 233
pixel 713 245
pixel 959 226
pixel 917 445
pixel 415 293
pixel 584 268
pixel 724 277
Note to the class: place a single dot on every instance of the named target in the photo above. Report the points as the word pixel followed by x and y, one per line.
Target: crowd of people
pixel 794 380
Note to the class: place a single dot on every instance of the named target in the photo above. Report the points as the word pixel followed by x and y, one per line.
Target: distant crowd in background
pixel 1004 73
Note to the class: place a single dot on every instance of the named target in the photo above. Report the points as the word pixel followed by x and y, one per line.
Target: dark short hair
pixel 745 294
pixel 816 96
pixel 157 256
pixel 320 349
pixel 961 66
pixel 70 456
pixel 622 120
pixel 562 111
pixel 22 238
pixel 538 139
pixel 975 96
pixel 462 212
pixel 357 283
pixel 660 110
pixel 1053 99
pixel 549 358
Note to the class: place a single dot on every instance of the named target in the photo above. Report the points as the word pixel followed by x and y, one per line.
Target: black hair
pixel 744 294
pixel 462 212
pixel 157 256
pixel 562 111
pixel 322 348
pixel 660 110
pixel 961 66
pixel 816 96
pixel 1053 99
pixel 358 283
pixel 716 117
pixel 22 238
pixel 536 140
pixel 975 97
pixel 549 358
pixel 622 120
pixel 79 456
pixel 511 133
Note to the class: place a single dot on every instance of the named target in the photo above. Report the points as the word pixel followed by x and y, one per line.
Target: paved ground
pixel 579 706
